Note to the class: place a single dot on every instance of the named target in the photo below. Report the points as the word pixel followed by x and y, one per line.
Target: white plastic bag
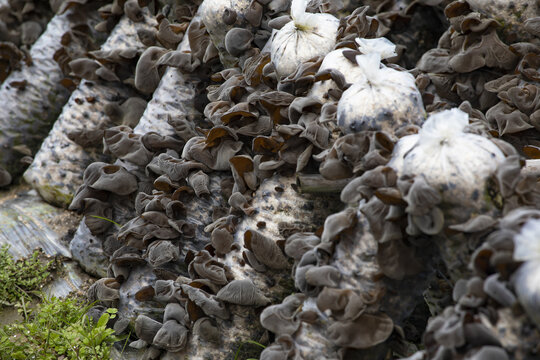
pixel 452 161
pixel 306 36
pixel 350 71
pixel 383 99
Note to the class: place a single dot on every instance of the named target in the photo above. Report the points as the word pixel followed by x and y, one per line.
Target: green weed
pixel 58 329
pixel 239 352
pixel 20 279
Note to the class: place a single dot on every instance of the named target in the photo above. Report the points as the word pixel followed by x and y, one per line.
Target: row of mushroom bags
pixel 329 179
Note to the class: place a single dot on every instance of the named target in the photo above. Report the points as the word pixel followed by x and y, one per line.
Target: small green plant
pixel 58 329
pixel 20 279
pixel 240 355
pixel 106 219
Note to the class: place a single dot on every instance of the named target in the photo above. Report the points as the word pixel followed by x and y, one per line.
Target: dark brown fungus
pixel 369 330
pixel 496 289
pixel 216 157
pixel 167 291
pixel 448 331
pixel 84 68
pixel 132 110
pixel 174 311
pixel 147 36
pixel 210 305
pixel 165 184
pixel 337 223
pixel 222 241
pixel 489 51
pixel 532 25
pixel 298 244
pixel 243 170
pixel 265 250
pixel 507 119
pixel 172 336
pixel 252 261
pixel 30 31
pixel 477 334
pixel 421 197
pixel 229 16
pixel 161 252
pixel 431 223
pixel 238 41
pixel 133 10
pixel 95 210
pixel 239 202
pixel 280 319
pixel 104 290
pixel 124 144
pixel 145 294
pixel 206 267
pixel 176 169
pixel 397 260
pixel 169 34
pixel 254 13
pixel 5 177
pixel 115 179
pixel 199 181
pixel 146 328
pixel 242 292
pixel 155 142
pixel 345 304
pixel 147 75
pixel 204 328
pixel 280 21
pixel 323 276
pixel 175 210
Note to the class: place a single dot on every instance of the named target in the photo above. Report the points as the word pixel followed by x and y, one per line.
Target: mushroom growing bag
pixel 336 60
pixel 452 161
pixel 384 99
pixel 306 36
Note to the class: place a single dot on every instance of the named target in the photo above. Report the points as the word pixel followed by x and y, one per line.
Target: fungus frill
pixel 453 162
pixel 305 37
pixel 384 99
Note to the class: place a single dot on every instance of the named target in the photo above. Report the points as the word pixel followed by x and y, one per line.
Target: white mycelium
pixel 451 160
pixel 306 36
pixel 383 99
pixel 527 277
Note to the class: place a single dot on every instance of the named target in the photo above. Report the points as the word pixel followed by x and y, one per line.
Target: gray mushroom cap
pixel 210 305
pixel 242 292
pixel 171 336
pixel 146 328
pixel 265 250
pixel 280 319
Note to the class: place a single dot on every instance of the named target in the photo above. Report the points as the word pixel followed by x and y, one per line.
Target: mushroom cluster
pixel 270 171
